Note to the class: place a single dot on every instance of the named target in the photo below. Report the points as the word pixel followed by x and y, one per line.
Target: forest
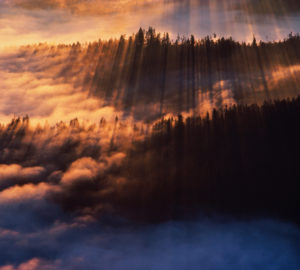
pixel 151 68
pixel 241 161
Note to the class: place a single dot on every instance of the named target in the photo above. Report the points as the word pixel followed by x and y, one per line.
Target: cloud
pixel 53 165
pixel 271 7
pixel 15 174
pixel 14 170
pixel 32 21
pixel 47 96
pixel 96 7
pixel 211 243
pixel 33 264
pixel 23 193
pixel 82 169
pixel 87 169
pixel 101 7
pixel 68 82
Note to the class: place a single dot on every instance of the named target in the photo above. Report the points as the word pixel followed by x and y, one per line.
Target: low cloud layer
pixel 208 244
pixel 88 82
pixel 48 86
pixel 15 174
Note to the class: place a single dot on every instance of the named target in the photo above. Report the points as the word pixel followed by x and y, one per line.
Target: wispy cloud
pixel 32 21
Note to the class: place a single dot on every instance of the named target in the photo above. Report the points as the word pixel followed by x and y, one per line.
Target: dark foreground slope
pixel 244 161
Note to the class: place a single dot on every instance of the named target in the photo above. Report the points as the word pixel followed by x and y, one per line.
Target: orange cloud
pixel 82 169
pixel 15 171
pixel 91 7
pixel 87 169
pixel 24 193
pixel 33 264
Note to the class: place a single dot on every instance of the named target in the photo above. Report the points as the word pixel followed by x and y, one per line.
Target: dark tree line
pixel 243 160
pixel 151 68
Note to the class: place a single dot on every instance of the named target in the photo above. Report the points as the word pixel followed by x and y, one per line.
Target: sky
pixel 67 21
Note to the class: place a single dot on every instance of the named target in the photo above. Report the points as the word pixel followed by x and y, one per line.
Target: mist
pixel 215 243
pixel 142 82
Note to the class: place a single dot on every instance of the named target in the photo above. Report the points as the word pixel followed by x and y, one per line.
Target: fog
pixel 100 80
pixel 215 243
